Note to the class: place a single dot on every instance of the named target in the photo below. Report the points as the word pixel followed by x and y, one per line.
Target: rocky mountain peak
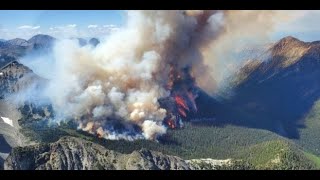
pixel 289 39
pixel 94 42
pixel 18 42
pixel 289 50
pixel 40 38
pixel 41 41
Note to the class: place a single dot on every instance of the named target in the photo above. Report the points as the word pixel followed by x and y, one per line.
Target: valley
pixel 271 121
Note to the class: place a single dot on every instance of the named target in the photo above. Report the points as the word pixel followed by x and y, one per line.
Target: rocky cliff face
pixel 10 135
pixel 15 77
pixel 18 42
pixel 71 153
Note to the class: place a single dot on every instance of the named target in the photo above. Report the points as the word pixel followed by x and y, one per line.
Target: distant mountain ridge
pixel 43 40
pixel 93 41
pixel 13 49
pixel 18 42
pixel 40 39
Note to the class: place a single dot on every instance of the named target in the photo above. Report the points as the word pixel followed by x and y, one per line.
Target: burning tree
pixel 181 101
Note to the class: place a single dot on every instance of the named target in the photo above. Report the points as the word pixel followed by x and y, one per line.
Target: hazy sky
pixel 80 23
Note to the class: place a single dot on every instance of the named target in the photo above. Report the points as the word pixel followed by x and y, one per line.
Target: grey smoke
pixel 124 76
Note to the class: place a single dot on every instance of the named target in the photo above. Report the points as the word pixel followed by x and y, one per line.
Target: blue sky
pixel 82 23
pixel 51 18
pixel 24 24
pixel 305 26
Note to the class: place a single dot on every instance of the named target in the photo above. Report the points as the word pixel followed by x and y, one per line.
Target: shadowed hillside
pixel 274 94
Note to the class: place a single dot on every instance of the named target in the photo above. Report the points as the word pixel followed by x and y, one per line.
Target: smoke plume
pixel 118 83
pixel 242 30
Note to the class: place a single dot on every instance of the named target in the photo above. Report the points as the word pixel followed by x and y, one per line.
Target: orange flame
pixel 171 124
pixel 180 101
pixel 99 135
pixel 182 112
pixel 180 80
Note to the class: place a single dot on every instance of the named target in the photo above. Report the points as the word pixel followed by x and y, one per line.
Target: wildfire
pixel 171 124
pixel 182 112
pixel 100 132
pixel 99 135
pixel 181 102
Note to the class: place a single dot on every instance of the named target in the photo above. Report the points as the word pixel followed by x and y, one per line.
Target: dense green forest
pixel 310 133
pixel 251 148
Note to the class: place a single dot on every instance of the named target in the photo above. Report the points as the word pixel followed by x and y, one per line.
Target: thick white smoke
pixel 125 75
pixel 108 82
